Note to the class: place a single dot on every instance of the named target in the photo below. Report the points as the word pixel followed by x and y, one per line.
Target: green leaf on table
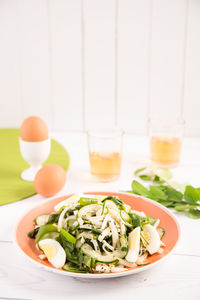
pixel 173 195
pixel 157 179
pixel 139 189
pixel 198 191
pixel 194 213
pixel 191 194
pixel 165 174
pixel 139 171
pixel 166 203
pixel 182 207
pixel 157 193
pixel 177 186
pixel 146 177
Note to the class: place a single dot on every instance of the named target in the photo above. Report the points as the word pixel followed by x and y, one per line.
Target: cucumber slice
pixel 86 235
pixel 50 235
pixel 161 232
pixel 42 219
pixel 107 259
pixel 89 209
pixel 109 204
pixel 44 229
pixel 126 218
pixel 72 225
pixel 140 265
pixel 127 208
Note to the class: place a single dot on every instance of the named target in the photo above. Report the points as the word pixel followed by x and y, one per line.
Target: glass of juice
pixel 165 142
pixel 105 153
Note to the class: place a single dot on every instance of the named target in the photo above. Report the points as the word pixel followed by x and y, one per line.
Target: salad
pixel 96 234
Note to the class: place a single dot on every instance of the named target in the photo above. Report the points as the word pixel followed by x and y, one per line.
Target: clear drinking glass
pixel 165 141
pixel 105 153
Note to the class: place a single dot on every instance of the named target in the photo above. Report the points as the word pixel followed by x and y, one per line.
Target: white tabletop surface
pixel 178 277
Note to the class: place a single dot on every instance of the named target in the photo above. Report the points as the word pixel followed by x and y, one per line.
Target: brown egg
pixel 33 129
pixel 49 180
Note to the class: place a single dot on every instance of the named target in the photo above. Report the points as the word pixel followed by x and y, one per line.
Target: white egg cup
pixel 34 153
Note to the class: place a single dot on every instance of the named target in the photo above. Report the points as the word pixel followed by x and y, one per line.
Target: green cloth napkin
pixel 12 187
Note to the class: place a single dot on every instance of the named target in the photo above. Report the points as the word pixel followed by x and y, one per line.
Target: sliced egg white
pixel 54 252
pixel 152 238
pixel 133 245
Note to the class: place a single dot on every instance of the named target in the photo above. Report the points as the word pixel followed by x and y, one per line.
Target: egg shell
pixel 33 129
pixel 49 180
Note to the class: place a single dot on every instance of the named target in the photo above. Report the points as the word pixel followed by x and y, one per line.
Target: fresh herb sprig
pixel 181 197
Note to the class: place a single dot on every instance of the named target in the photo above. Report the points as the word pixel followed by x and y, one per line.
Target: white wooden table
pixel 176 278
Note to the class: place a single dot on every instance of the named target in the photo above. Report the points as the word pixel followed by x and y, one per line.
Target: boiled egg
pixel 54 252
pixel 133 245
pixel 49 180
pixel 152 238
pixel 33 129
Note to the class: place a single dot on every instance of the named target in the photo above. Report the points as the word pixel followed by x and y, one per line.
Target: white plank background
pixel 85 63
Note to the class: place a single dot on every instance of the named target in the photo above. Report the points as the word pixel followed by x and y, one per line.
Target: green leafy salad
pixel 96 234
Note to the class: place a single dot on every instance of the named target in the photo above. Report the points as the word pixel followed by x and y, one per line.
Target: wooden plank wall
pixel 100 63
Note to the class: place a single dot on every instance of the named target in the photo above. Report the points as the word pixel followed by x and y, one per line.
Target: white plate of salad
pixel 97 234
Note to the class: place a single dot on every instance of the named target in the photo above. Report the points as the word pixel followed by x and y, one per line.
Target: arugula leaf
pixel 151 220
pixel 139 189
pixel 64 243
pixel 198 191
pixel 173 195
pixel 165 174
pixel 166 203
pixel 135 219
pixel 191 195
pixel 194 213
pixel 53 218
pixel 146 177
pixel 32 234
pixel 71 267
pixel 157 193
pixel 181 197
pixel 157 179
pixel 184 207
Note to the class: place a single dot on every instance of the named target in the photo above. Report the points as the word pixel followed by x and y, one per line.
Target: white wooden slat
pixel 168 33
pixel 10 108
pixel 134 30
pixel 66 66
pixel 192 76
pixel 99 61
pixel 34 60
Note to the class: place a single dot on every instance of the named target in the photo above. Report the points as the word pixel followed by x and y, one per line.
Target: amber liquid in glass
pixel 105 166
pixel 165 151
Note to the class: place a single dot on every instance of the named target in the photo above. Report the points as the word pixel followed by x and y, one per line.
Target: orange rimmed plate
pixel 149 207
